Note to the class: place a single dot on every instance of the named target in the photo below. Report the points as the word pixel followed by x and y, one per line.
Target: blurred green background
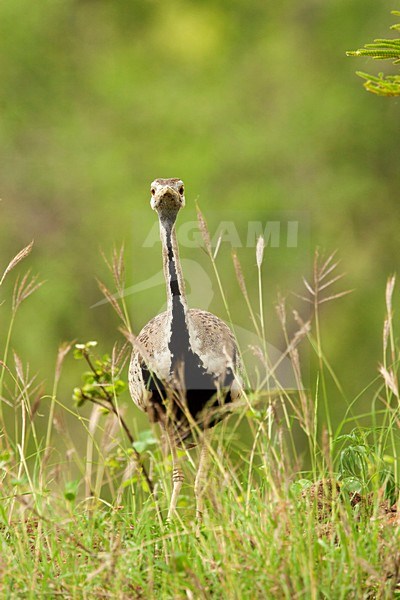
pixel 253 104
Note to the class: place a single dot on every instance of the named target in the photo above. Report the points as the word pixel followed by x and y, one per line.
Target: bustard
pixel 185 360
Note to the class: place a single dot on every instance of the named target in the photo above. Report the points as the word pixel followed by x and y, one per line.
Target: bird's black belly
pixel 200 400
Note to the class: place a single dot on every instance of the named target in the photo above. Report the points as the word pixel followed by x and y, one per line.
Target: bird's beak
pixel 167 198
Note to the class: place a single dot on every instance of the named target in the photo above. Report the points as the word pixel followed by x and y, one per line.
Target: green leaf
pixel 301 484
pixel 139 446
pixel 388 459
pixel 351 485
pixel 78 397
pixel 78 353
pixel 144 440
pixel 5 456
pixel 19 481
pixel 130 481
pixel 119 386
pixel 71 490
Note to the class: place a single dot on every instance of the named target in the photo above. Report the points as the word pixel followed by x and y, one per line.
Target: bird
pixel 185 361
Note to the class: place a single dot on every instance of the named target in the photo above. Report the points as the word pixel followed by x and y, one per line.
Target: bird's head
pixel 167 197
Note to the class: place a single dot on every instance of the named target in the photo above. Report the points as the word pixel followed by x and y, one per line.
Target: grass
pixel 295 507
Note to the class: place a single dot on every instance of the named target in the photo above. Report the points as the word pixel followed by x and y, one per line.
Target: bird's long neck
pixel 172 266
pixel 178 335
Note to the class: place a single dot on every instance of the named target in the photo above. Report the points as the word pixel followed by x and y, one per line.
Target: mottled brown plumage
pixel 185 360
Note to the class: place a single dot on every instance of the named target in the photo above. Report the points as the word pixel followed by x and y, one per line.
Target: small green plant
pixel 382 49
pixel 102 386
pixel 71 490
pixel 362 470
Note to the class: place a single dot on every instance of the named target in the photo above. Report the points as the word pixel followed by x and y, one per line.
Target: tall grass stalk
pixel 11 265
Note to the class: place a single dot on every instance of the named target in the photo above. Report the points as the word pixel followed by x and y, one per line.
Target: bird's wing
pixel 213 341
pixel 154 340
pixel 150 352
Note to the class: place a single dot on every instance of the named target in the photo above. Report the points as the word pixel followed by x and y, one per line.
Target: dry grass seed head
pixel 390 380
pixel 388 324
pixel 280 308
pixel 119 356
pixel 63 350
pixel 116 266
pixel 119 266
pixel 205 234
pixel 111 299
pixel 37 401
pixel 17 259
pixel 320 272
pixel 23 289
pixel 26 382
pixel 389 293
pixel 239 274
pixel 260 251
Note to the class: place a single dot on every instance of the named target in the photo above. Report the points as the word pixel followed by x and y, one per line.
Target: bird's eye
pixel 181 190
pixel 153 191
